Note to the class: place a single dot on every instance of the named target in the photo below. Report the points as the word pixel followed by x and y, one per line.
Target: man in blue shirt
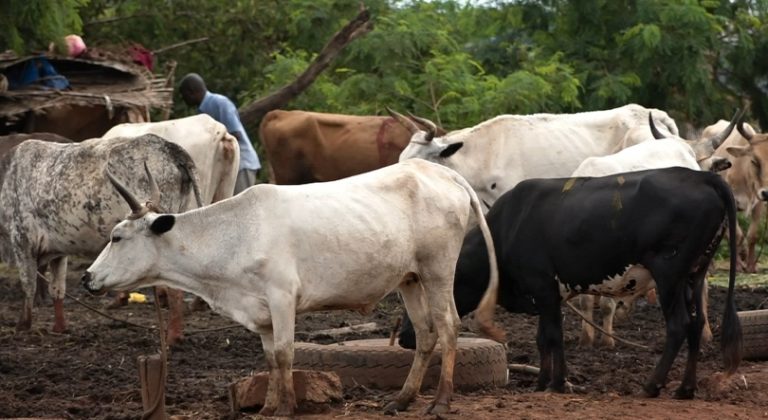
pixel 194 93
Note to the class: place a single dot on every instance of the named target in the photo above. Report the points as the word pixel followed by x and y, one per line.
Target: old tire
pixel 754 325
pixel 373 363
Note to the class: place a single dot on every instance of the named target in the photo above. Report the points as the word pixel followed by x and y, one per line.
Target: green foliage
pixel 457 62
pixel 30 25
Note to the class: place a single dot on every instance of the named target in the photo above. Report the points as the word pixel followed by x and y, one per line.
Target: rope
pixel 132 324
pixel 106 315
pixel 129 323
pixel 627 342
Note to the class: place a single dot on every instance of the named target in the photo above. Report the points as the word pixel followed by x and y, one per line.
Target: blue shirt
pixel 221 109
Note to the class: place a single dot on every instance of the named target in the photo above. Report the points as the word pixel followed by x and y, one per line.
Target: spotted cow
pixel 58 202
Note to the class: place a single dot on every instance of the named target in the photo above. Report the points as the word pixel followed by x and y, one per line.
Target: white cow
pixel 214 151
pixel 334 245
pixel 217 159
pixel 499 153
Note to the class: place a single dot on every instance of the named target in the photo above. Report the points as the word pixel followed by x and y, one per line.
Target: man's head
pixel 192 89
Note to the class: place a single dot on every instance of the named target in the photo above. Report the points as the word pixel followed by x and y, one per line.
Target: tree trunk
pixel 252 113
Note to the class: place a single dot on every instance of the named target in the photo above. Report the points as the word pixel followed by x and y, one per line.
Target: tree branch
pixel 253 112
pixel 179 44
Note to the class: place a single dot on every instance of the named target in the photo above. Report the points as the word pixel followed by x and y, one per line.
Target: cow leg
pixel 608 310
pixel 586 304
pixel 447 322
pixel 28 279
pixel 741 256
pixel 281 396
pixel 676 319
pixel 176 308
pixel 549 340
pixel 706 333
pixel 41 294
pixel 750 265
pixel 415 304
pixel 58 288
pixel 271 399
pixel 694 305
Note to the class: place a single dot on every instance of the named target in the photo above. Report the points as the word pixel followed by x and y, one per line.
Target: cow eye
pixel 116 239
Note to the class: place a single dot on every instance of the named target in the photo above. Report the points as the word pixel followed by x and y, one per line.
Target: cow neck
pixel 381 145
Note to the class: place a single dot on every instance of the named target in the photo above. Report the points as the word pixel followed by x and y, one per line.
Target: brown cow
pixel 11 140
pixel 304 147
pixel 82 122
pixel 748 180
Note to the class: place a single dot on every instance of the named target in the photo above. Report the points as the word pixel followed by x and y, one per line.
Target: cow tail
pixel 731 336
pixel 485 310
pixel 188 170
pixel 191 172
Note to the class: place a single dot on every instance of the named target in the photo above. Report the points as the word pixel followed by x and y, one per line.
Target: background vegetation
pixel 458 62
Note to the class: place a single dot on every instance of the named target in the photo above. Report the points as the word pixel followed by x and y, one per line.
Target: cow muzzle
pixel 87 282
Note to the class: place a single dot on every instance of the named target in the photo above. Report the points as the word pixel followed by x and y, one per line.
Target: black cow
pixel 555 238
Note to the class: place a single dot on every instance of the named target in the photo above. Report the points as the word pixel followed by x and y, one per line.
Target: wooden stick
pixel 533 370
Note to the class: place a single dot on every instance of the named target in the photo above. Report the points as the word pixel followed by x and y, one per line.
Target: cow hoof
pixel 393 407
pixel 174 340
pixel 685 393
pixel 586 342
pixel 438 409
pixel 280 411
pixel 607 343
pixel 651 391
pixel 23 326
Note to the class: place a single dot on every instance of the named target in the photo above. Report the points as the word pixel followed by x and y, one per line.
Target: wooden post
pixel 152 376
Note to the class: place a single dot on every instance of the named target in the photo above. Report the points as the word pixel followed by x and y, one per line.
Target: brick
pixel 311 386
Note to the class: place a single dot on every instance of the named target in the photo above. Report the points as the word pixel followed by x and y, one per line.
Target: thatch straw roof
pixel 92 82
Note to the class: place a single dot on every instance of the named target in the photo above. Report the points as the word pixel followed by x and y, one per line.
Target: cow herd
pixel 526 211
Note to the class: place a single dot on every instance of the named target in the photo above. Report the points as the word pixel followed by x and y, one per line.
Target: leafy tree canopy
pixel 457 62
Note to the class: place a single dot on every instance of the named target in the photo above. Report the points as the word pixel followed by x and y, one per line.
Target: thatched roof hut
pixel 101 94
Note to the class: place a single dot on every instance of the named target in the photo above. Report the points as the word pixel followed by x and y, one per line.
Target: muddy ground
pixel 91 371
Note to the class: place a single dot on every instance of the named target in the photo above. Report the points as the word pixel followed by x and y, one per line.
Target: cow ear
pixel 162 224
pixel 451 149
pixel 738 151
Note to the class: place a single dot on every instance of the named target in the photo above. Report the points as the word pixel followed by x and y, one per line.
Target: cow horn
pixel 718 139
pixel 154 196
pixel 743 131
pixel 135 205
pixel 431 127
pixel 655 131
pixel 404 121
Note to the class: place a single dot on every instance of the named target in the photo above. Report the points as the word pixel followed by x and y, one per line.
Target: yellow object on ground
pixel 137 298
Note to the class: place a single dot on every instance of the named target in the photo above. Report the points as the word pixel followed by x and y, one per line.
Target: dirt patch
pixel 91 371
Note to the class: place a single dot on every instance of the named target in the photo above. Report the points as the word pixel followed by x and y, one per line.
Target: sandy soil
pixel 91 371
